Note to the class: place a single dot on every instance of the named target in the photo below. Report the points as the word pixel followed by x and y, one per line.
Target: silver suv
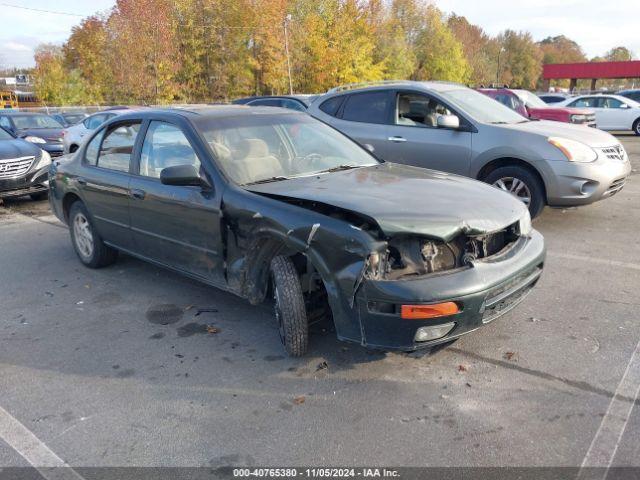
pixel 449 127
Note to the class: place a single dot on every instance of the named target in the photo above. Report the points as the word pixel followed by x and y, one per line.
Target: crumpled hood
pixel 590 136
pixel 407 200
pixel 17 148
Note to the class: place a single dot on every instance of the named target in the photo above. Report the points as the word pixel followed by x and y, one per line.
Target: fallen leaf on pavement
pixel 299 400
pixel 212 329
pixel 462 368
pixel 508 355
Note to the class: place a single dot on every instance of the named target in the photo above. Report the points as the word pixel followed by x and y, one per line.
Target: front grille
pixel 615 186
pixel 615 152
pixel 505 297
pixel 14 167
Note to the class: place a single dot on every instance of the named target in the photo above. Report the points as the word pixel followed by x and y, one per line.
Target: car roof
pixel 14 113
pixel 420 85
pixel 210 111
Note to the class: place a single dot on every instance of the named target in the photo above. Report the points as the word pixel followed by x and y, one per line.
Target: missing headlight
pixel 419 256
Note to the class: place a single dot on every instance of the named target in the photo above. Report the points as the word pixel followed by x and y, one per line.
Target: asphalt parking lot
pixel 136 366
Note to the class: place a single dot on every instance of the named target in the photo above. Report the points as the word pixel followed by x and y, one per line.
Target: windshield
pixel 4 135
pixel 482 108
pixel 531 100
pixel 35 121
pixel 260 148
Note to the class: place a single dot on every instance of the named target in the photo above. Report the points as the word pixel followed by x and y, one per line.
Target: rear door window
pixel 117 147
pixel 588 102
pixel 370 107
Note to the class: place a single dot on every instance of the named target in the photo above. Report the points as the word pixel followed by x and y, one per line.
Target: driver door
pixel 415 139
pixel 177 226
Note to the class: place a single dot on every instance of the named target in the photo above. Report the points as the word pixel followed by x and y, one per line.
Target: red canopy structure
pixel 592 70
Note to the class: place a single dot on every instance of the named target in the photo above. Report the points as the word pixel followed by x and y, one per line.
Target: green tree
pixel 439 55
pixel 619 54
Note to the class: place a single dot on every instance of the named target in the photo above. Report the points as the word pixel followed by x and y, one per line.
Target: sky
pixel 596 25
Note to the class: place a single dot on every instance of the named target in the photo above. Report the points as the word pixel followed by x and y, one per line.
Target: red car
pixel 530 106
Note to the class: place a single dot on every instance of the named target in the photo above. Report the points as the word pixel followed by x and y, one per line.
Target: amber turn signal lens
pixel 420 312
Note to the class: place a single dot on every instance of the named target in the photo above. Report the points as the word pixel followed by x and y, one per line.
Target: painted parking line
pixel 605 443
pixel 33 450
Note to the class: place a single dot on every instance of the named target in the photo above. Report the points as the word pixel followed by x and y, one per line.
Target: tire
pixel 289 307
pixel 87 243
pixel 507 178
pixel 636 127
pixel 39 196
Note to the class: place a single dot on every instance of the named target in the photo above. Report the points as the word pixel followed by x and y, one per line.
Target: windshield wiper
pixel 267 180
pixel 340 167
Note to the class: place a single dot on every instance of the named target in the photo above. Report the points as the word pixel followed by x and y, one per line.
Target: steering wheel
pixel 312 161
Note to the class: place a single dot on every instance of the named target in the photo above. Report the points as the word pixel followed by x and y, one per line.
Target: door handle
pixel 397 139
pixel 139 194
pixel 82 181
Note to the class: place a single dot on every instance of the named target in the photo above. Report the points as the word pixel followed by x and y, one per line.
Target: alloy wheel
pixel 515 187
pixel 83 235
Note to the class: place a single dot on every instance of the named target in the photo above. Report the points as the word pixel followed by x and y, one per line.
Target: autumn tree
pixel 619 54
pixel 54 84
pixel 85 53
pixel 520 59
pixel 480 50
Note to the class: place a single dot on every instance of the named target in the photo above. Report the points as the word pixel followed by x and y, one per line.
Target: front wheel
pixel 289 305
pixel 636 127
pixel 87 243
pixel 520 183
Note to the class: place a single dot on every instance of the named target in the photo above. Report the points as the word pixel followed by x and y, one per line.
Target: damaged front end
pixel 411 255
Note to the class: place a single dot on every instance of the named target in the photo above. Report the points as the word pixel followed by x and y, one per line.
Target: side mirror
pixel 182 176
pixel 624 105
pixel 369 147
pixel 448 121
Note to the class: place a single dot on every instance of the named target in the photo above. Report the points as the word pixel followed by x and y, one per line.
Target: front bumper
pixel 573 183
pixel 32 182
pixel 484 292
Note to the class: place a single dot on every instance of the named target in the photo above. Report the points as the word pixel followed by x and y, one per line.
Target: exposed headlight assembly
pixel 45 159
pixel 34 139
pixel 574 151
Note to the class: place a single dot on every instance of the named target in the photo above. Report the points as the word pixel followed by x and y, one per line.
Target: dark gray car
pixel 452 128
pixel 258 200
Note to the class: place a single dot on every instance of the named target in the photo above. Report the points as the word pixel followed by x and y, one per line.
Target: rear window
pixel 366 107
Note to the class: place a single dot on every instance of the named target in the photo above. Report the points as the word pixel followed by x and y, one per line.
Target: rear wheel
pixel 522 184
pixel 86 241
pixel 289 306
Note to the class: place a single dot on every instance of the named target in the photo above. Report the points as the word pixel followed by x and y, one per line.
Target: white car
pixel 74 135
pixel 613 112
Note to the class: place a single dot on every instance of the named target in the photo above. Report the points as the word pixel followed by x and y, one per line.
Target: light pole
pixel 287 18
pixel 498 69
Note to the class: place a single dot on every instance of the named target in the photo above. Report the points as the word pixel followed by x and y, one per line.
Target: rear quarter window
pixel 331 106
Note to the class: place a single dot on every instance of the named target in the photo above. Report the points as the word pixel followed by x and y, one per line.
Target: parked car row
pixel 613 112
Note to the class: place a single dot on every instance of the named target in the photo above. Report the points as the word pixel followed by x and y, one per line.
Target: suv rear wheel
pixel 86 241
pixel 520 183
pixel 289 305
